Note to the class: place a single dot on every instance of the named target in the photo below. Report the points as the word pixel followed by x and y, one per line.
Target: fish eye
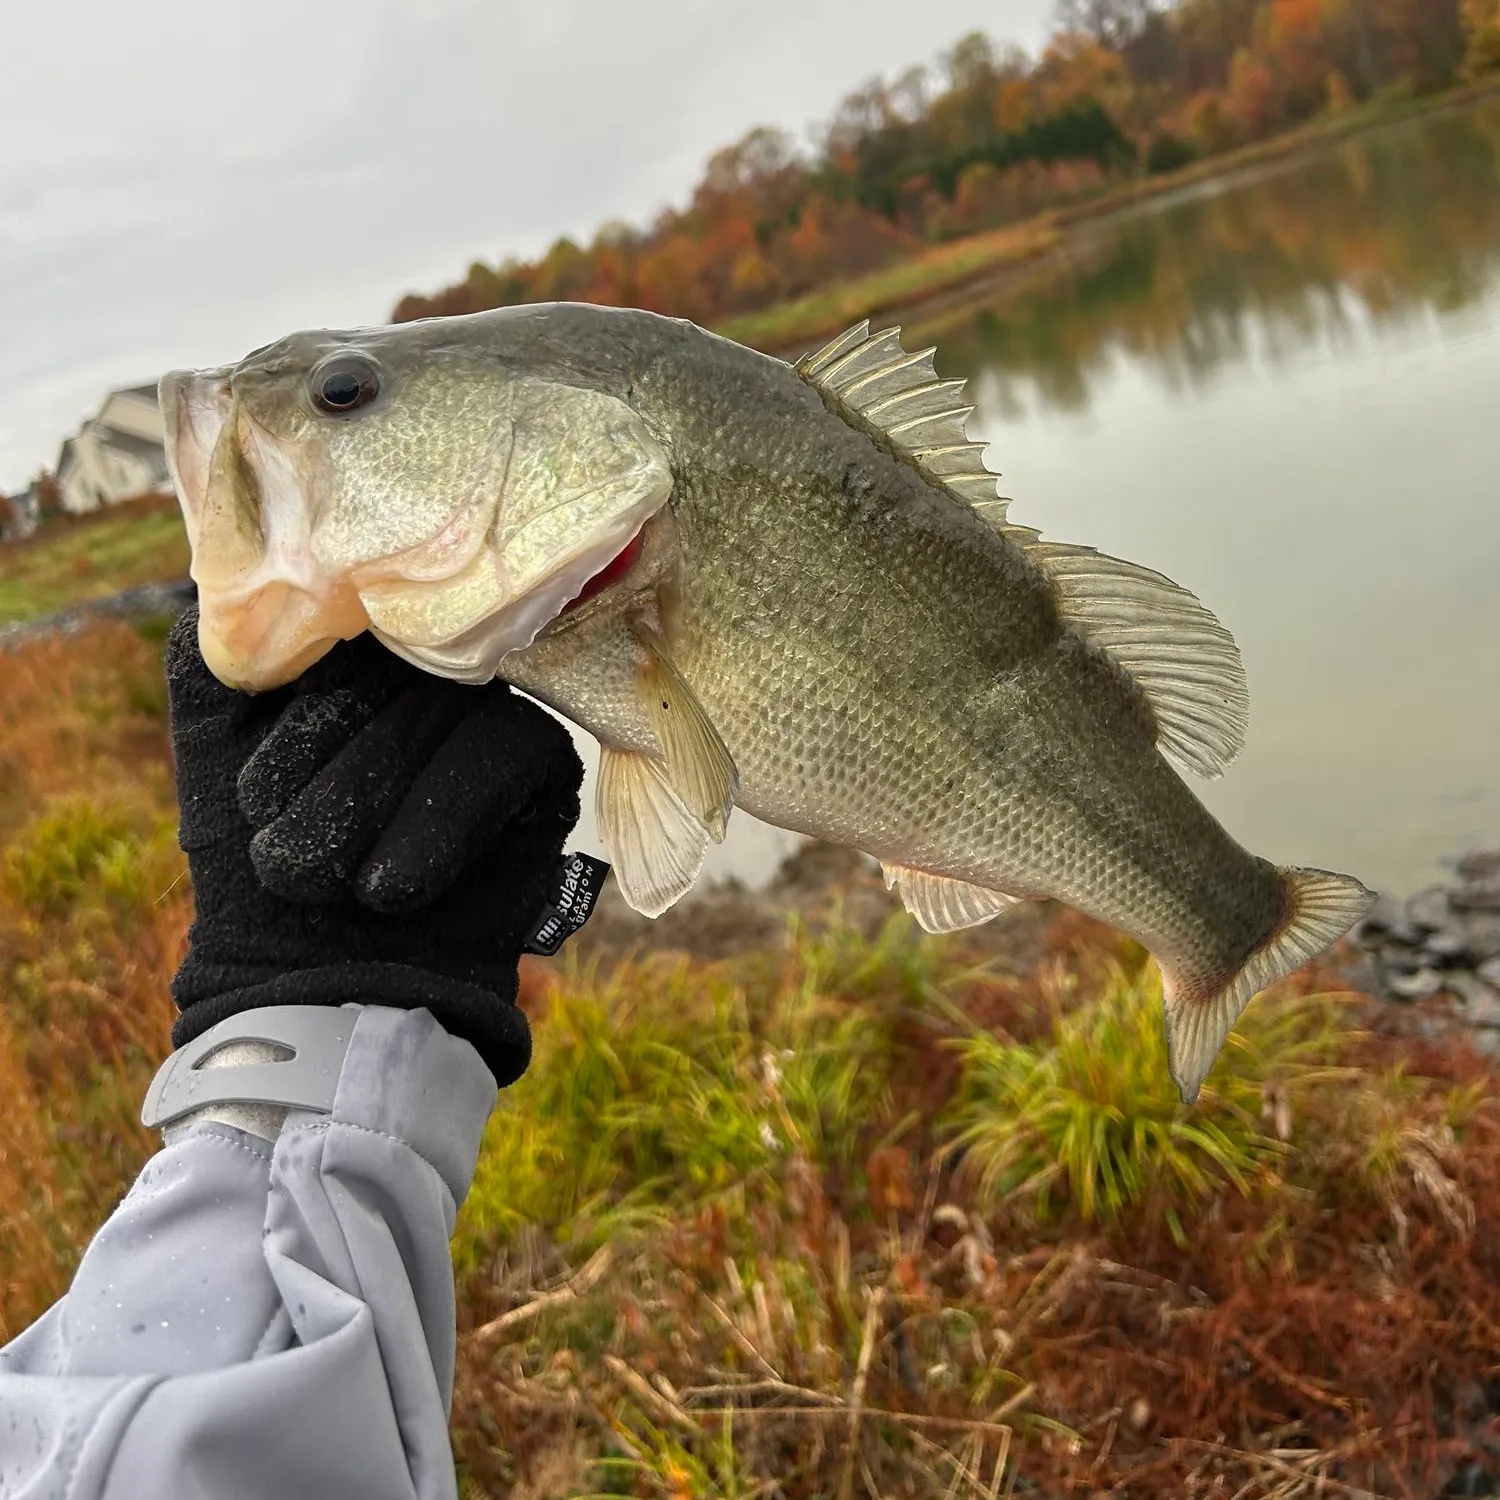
pixel 344 385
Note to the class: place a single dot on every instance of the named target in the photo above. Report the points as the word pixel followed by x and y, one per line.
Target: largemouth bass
pixel 792 589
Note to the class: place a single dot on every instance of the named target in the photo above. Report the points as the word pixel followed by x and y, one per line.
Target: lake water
pixel 1283 391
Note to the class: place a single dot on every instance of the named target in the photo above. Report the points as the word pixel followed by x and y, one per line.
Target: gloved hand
pixel 368 833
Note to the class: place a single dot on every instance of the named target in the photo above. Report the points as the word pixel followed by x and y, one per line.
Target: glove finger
pixel 505 762
pixel 334 699
pixel 312 850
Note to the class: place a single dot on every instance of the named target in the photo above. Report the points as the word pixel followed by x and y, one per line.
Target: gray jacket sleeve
pixel 267 1316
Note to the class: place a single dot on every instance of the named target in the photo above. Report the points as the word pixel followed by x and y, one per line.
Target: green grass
pixel 68 562
pixel 1091 1117
pixel 663 1089
pixel 837 306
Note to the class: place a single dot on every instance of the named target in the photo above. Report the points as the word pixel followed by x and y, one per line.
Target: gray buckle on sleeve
pixel 317 1036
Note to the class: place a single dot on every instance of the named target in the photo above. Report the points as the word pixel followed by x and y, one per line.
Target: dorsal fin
pixel 899 394
pixel 1178 654
pixel 1185 663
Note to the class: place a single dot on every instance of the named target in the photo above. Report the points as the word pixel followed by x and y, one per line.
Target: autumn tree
pixel 989 134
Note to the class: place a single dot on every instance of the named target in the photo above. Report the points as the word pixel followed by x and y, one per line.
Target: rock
pixel 1477 895
pixel 1481 1001
pixel 1481 865
pixel 1429 909
pixel 1415 986
pixel 1401 960
pixel 1487 1042
pixel 147 600
pixel 1483 933
pixel 1489 971
pixel 1386 913
pixel 1449 945
pixel 1405 931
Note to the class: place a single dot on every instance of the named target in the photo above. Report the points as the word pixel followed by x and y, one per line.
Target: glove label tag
pixel 580 878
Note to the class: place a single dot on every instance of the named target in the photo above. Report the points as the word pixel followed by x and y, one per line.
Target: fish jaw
pixel 462 627
pixel 267 610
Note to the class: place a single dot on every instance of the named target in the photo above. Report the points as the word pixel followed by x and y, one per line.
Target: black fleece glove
pixel 368 833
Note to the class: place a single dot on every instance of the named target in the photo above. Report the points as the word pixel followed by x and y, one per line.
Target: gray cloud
pixel 182 182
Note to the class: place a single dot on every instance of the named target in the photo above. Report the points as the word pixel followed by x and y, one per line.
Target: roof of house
pixel 127 442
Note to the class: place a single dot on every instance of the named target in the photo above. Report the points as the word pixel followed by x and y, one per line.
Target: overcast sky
pixel 183 180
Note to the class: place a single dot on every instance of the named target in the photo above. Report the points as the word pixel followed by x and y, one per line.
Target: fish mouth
pixel 266 610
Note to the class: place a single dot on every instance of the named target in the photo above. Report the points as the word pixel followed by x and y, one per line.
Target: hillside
pixel 75 559
pixel 846 1209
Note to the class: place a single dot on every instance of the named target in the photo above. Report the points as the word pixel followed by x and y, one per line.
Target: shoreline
pixel 939 277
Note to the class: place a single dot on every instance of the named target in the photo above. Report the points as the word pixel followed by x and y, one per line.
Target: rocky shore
pixel 1443 940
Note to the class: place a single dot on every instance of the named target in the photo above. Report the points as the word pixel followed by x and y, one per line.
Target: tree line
pixel 991 135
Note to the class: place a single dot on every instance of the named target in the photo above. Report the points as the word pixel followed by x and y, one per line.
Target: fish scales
pixel 817 611
pixel 911 636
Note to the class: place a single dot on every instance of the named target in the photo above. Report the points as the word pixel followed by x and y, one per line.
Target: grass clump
pixel 84 852
pixel 662 1087
pixel 1087 1113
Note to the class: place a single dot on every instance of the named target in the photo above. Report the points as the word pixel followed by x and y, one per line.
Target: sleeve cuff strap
pixel 313 1041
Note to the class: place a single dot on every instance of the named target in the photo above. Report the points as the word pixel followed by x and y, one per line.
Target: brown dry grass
pixel 94 908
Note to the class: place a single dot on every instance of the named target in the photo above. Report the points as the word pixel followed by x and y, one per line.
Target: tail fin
pixel 1320 908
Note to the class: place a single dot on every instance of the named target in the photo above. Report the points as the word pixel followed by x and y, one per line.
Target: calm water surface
pixel 1284 393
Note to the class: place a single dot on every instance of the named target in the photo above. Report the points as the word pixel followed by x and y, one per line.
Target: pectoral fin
pixel 698 764
pixel 654 842
pixel 943 905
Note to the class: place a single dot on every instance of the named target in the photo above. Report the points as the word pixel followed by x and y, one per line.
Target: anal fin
pixel 941 904
pixel 654 841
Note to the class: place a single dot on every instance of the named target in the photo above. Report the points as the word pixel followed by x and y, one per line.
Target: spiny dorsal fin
pixel 899 394
pixel 1178 654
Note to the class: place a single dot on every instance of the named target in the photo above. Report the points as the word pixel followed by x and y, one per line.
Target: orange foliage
pixel 1250 98
pixel 999 136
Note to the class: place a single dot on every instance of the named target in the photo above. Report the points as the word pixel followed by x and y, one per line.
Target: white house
pixel 116 455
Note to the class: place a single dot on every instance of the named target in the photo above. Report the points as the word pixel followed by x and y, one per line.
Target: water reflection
pixel 1378 232
pixel 1281 393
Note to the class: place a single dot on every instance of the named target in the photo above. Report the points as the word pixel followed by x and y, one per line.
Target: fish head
pixel 408 480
